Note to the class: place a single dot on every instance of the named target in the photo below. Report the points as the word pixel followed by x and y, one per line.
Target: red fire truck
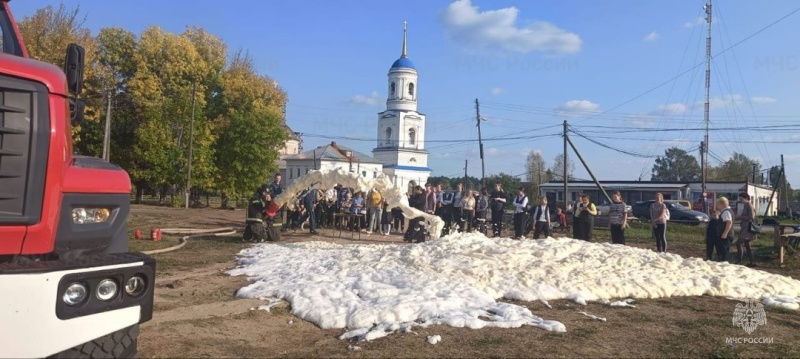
pixel 68 285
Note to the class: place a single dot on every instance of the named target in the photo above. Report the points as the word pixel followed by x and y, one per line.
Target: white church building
pixel 400 148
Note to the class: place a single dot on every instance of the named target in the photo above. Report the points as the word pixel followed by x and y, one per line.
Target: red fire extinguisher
pixel 153 234
pixel 137 234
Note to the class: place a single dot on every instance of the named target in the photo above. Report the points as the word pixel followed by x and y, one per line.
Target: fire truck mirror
pixel 73 68
pixel 76 108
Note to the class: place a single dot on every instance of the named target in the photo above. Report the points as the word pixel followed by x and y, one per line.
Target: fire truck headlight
pixel 75 294
pixel 135 285
pixel 107 290
pixel 90 215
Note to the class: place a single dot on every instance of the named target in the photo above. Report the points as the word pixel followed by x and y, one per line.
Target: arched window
pixel 412 136
pixel 411 89
pixel 413 160
pixel 392 90
pixel 389 135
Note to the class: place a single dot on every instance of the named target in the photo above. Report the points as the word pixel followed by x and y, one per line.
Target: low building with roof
pixel 330 156
pixel 292 146
pixel 635 191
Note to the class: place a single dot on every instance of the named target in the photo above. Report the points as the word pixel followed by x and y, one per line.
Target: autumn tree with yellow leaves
pixel 155 80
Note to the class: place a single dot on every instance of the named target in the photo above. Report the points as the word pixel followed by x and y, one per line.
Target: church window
pixel 413 160
pixel 392 90
pixel 411 89
pixel 389 135
pixel 412 136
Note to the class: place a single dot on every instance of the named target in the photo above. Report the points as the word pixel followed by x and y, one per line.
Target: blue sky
pixel 531 64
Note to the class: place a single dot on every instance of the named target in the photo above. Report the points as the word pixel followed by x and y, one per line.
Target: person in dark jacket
pixel 414 232
pixel 586 213
pixel 310 202
pixel 711 235
pixel 254 223
pixel 498 202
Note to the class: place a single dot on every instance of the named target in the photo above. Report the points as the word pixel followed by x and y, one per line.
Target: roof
pixel 409 168
pixel 332 152
pixel 292 134
pixel 403 62
pixel 615 184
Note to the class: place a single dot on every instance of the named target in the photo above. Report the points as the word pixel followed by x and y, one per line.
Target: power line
pixel 696 66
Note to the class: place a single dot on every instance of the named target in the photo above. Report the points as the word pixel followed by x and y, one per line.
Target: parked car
pixel 677 213
pixel 683 202
pixel 606 207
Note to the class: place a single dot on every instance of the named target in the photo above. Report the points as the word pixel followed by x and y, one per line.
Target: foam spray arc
pixel 330 178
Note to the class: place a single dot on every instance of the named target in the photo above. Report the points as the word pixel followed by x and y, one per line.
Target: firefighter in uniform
pixel 255 229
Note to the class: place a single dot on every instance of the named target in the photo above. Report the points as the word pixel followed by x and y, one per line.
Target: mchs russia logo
pixel 749 315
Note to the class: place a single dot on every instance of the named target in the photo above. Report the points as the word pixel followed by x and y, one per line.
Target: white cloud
pixel 670 109
pixel 578 108
pixel 699 21
pixel 763 99
pixel 642 123
pixel 371 100
pixel 493 151
pixel 724 101
pixel 652 118
pixel 653 36
pixel 497 29
pixel 496 90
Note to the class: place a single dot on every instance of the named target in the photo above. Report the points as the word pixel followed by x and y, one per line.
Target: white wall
pixel 759 197
pixel 401 99
pixel 293 167
pixel 292 147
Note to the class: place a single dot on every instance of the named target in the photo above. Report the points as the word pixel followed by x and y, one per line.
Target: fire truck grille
pixel 23 150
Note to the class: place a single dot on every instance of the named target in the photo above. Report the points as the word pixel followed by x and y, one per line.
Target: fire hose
pixel 190 233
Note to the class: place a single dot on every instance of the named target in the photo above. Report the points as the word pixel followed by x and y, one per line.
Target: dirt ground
pixel 198 315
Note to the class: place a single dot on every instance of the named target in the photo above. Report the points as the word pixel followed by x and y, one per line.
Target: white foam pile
pixel 374 290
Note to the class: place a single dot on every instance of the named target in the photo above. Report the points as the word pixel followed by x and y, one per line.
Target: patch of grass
pixel 490 341
pixel 581 333
pixel 725 352
pixel 200 252
pixel 783 351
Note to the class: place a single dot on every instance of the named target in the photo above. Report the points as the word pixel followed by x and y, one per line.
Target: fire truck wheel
pixel 120 344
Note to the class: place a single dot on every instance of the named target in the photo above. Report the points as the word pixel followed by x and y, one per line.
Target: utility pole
pixel 191 147
pixel 707 8
pixel 775 188
pixel 480 143
pixel 107 135
pixel 566 179
pixel 754 173
pixel 466 181
pixel 596 181
pixel 785 190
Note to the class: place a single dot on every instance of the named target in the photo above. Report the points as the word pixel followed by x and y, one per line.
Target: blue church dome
pixel 403 62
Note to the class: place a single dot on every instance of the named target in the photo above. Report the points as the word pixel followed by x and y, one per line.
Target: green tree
pixel 444 181
pixel 510 185
pixel 737 168
pixel 676 165
pixel 251 128
pixel 47 33
pixel 116 48
pixel 784 187
pixel 250 139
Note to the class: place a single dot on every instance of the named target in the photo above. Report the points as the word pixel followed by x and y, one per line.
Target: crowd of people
pixel 468 210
